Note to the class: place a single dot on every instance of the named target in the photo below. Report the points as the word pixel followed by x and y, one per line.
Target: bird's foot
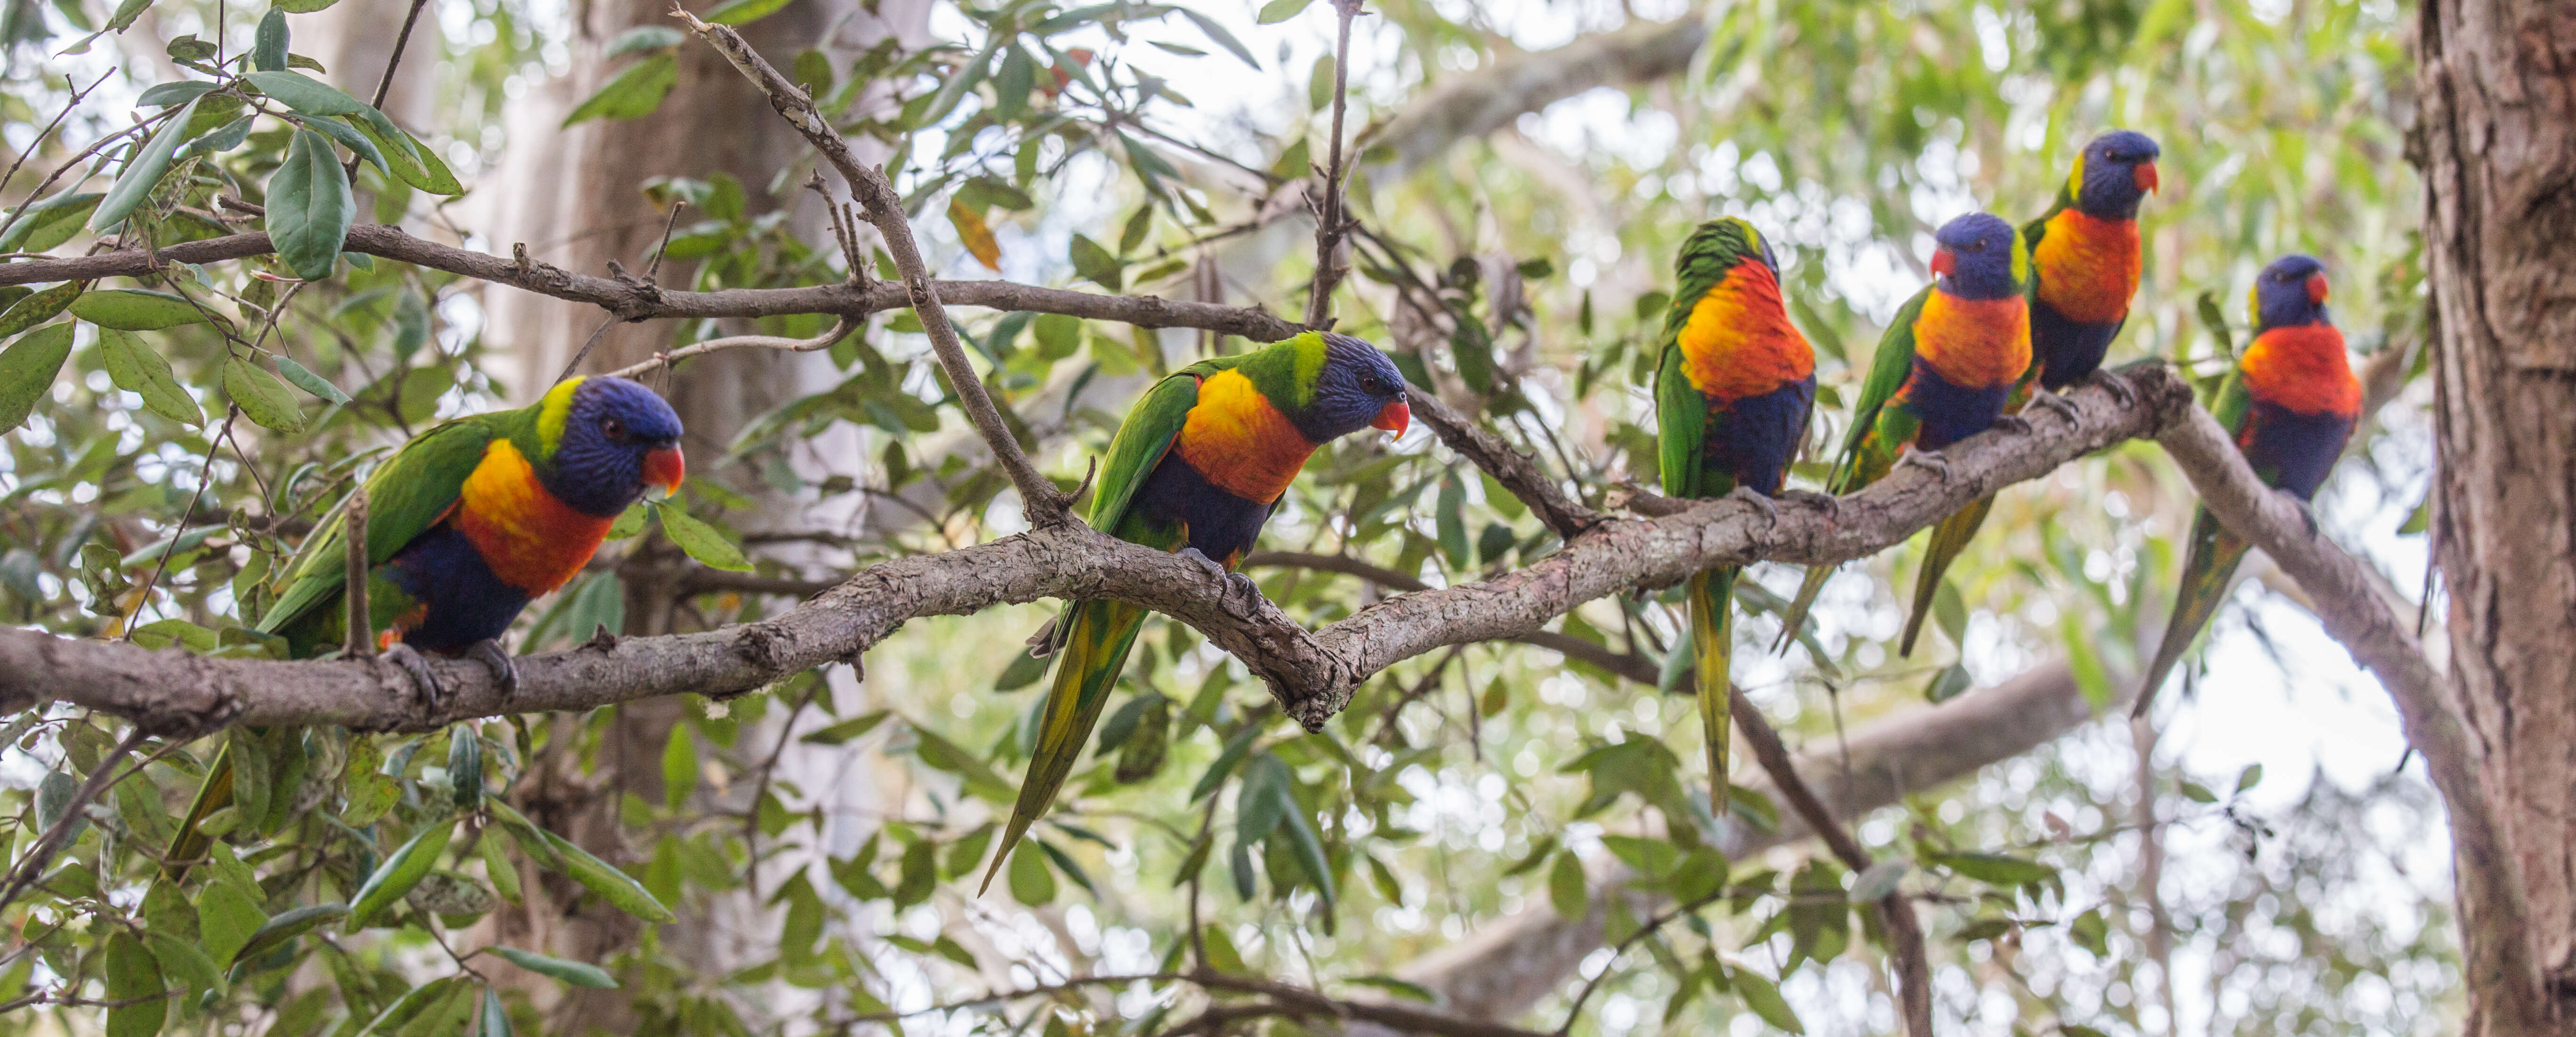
pixel 2307 512
pixel 2064 407
pixel 1928 460
pixel 1760 503
pixel 425 686
pixel 1833 505
pixel 2117 385
pixel 505 672
pixel 1237 585
pixel 2013 423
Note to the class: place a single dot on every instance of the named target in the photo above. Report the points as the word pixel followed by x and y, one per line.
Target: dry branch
pixel 1311 673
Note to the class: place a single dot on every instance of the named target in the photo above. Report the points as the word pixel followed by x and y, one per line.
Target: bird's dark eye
pixel 613 429
pixel 1370 383
pixel 1976 246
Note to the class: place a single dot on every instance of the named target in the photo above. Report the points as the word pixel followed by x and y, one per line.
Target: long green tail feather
pixel 1094 653
pixel 1796 618
pixel 2215 553
pixel 1712 622
pixel 1948 540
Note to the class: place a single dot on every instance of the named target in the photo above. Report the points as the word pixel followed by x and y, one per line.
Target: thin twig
pixel 77 97
pixel 47 845
pixel 361 633
pixel 1574 1011
pixel 1044 504
pixel 1329 228
pixel 840 328
pixel 1896 912
pixel 205 476
pixel 402 42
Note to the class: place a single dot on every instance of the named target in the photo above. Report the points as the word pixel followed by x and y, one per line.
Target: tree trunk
pixel 2498 97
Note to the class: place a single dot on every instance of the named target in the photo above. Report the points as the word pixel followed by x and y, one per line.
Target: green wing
pixel 1888 369
pixel 405 497
pixel 1151 426
pixel 2233 402
pixel 1681 427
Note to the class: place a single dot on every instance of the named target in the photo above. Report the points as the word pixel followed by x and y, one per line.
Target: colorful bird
pixel 2085 260
pixel 466 524
pixel 1732 397
pixel 1197 468
pixel 2084 265
pixel 2292 402
pixel 1942 373
pixel 475 518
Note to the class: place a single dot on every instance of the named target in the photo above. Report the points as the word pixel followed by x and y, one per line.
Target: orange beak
pixel 2317 288
pixel 1945 261
pixel 1397 417
pixel 2146 175
pixel 664 467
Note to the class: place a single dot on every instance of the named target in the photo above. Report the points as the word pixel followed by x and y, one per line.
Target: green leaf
pixel 399 873
pixel 1401 988
pixel 163 95
pixel 745 12
pixel 261 395
pixel 27 371
pixel 1308 846
pixel 1996 869
pixel 348 137
pixel 634 93
pixel 227 919
pixel 305 6
pixel 134 309
pixel 1094 263
pixel 1451 521
pixel 1567 890
pixel 1223 38
pixel 2215 319
pixel 496 1016
pixel 617 887
pixel 288 926
pixel 847 729
pixel 643 38
pixel 184 960
pixel 268 49
pixel 1948 684
pixel 126 12
pixel 39 307
pixel 134 976
pixel 702 541
pixel 1277 11
pixel 50 222
pixel 2249 777
pixel 410 1005
pixel 579 974
pixel 1031 882
pixel 305 93
pixel 2198 793
pixel 1763 997
pixel 134 185
pixel 305 379
pixel 679 767
pixel 310 209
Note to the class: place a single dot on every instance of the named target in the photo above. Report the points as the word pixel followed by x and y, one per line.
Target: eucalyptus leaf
pixel 310 209
pixel 134 185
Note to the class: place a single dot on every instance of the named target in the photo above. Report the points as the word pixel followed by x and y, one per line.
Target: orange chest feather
pixel 1739 341
pixel 531 540
pixel 1235 439
pixel 2303 369
pixel 2088 267
pixel 1974 343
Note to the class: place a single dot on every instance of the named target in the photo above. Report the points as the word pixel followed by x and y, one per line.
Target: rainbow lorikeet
pixel 466 524
pixel 475 518
pixel 1733 394
pixel 2085 259
pixel 1197 468
pixel 2084 266
pixel 1942 373
pixel 2292 402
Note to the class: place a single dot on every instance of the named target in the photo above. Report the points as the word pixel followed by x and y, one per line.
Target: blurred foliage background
pixel 820 839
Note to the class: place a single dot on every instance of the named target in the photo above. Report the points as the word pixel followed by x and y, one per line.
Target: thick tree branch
pixel 1312 674
pixel 1045 505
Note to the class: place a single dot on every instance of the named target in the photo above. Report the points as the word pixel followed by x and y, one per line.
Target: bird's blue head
pixel 2289 293
pixel 2113 173
pixel 609 437
pixel 1356 387
pixel 1979 256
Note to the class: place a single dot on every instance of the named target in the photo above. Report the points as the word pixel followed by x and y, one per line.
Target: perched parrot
pixel 2085 261
pixel 2084 265
pixel 2292 402
pixel 1732 397
pixel 1196 468
pixel 1942 373
pixel 466 524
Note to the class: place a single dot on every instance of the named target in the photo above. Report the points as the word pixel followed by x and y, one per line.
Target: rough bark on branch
pixel 1311 673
